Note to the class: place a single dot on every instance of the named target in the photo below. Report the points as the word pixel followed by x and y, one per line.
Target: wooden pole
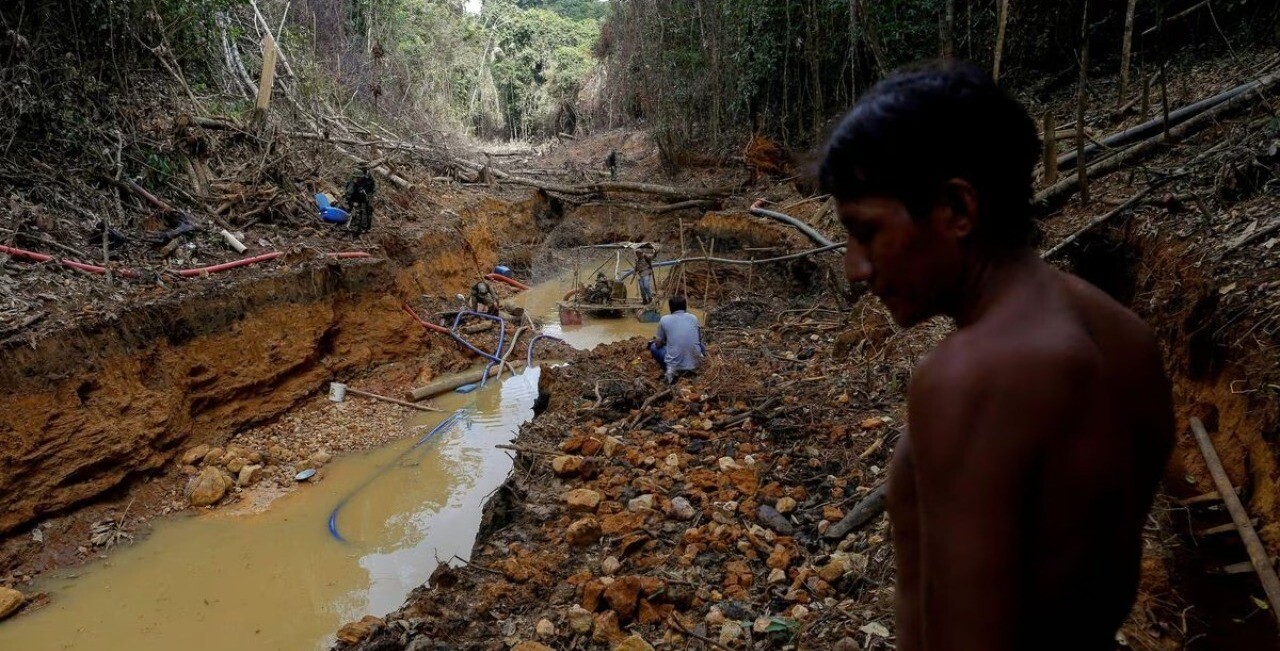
pixel 391 400
pixel 1257 553
pixel 1050 150
pixel 1082 164
pixel 1004 20
pixel 268 76
pixel 1126 51
pixel 1146 98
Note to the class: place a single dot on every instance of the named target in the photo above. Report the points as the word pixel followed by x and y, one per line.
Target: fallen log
pixel 655 209
pixel 1050 196
pixel 1146 129
pixel 601 187
pixel 1257 552
pixel 382 170
pixel 1102 219
pixel 447 384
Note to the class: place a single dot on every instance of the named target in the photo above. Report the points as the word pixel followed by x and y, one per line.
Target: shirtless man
pixel 1041 426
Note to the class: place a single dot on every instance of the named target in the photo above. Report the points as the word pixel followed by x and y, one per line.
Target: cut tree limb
pixel 382 170
pixel 863 512
pixel 1097 221
pixel 655 209
pixel 1257 552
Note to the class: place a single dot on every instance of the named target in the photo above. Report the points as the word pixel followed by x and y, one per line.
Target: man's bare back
pixel 1038 434
pixel 1040 428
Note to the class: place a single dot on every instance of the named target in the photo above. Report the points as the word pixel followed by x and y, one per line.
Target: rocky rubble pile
pixel 641 516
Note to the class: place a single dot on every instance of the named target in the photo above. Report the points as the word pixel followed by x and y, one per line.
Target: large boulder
pixel 209 487
pixel 10 601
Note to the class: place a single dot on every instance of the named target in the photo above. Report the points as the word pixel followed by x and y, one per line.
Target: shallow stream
pixel 278 579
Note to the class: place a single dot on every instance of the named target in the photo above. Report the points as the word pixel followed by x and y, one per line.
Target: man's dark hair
pixel 921 127
pixel 677 303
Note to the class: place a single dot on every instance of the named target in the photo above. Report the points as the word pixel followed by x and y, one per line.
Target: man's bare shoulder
pixel 997 383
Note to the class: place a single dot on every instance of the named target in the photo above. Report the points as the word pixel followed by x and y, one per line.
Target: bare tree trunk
pixel 1050 150
pixel 1082 165
pixel 949 29
pixel 853 51
pixel 1125 51
pixel 1000 26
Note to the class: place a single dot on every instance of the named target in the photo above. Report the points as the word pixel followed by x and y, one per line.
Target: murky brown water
pixel 278 580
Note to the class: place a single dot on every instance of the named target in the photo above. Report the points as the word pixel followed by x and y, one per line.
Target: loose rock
pixel 774 520
pixel 583 532
pixel 681 509
pixel 634 643
pixel 10 601
pixel 580 619
pixel 610 566
pixel 583 500
pixel 208 488
pixel 249 475
pixel 195 455
pixel 642 503
pixel 545 629
pixel 353 632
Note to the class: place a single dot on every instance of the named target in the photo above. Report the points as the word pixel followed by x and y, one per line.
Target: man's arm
pixel 661 337
pixel 980 419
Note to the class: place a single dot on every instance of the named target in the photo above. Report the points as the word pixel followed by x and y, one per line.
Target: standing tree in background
pixel 948 28
pixel 1125 52
pixel 1001 23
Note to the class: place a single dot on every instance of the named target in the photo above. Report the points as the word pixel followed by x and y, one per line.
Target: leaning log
pixel 1176 117
pixel 1060 191
pixel 1240 517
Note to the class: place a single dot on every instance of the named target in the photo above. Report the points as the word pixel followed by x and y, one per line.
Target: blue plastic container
pixel 502 269
pixel 328 212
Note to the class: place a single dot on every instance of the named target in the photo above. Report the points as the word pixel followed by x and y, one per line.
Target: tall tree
pixel 1125 52
pixel 948 29
pixel 1001 22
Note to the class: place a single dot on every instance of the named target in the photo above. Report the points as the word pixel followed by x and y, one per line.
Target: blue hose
pixel 529 362
pixel 502 333
pixel 444 425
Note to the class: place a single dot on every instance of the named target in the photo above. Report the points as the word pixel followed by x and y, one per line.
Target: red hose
pixel 426 324
pixel 510 281
pixel 199 271
pixel 22 253
pixel 72 264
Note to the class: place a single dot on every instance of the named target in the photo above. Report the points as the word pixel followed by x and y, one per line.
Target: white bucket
pixel 337 391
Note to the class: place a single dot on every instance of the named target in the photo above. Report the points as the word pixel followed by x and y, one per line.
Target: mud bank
pixel 103 400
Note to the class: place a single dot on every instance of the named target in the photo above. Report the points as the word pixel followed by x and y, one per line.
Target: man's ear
pixel 960 201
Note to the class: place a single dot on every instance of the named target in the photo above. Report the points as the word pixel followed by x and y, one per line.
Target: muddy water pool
pixel 280 579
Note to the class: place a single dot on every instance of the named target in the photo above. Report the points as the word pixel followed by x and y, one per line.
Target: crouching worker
pixel 678 346
pixel 483 296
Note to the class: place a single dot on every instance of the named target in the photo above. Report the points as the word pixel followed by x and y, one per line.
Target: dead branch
pixel 1257 552
pixel 655 209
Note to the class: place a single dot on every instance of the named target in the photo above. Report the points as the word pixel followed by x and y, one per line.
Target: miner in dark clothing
pixel 359 200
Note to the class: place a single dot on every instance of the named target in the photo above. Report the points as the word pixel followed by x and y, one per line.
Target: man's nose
pixel 857 267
